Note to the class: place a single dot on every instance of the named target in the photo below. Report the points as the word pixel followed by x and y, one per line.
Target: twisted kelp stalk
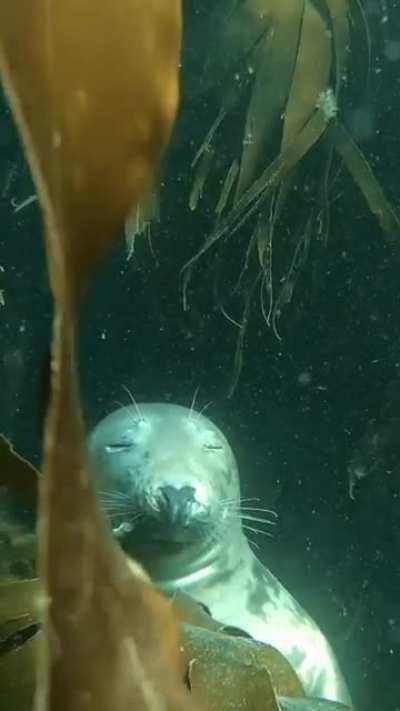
pixel 93 87
pixel 294 60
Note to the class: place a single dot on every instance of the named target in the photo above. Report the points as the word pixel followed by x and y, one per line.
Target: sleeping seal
pixel 168 481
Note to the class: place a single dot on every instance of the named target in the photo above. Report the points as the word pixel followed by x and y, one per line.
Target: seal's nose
pixel 176 503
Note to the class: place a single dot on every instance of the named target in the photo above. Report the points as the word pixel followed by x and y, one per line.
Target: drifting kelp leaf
pixel 288 285
pixel 311 73
pixel 309 86
pixel 202 172
pixel 141 218
pixel 253 672
pixel 233 29
pixel 240 31
pixel 255 196
pixel 339 11
pixel 275 61
pixel 72 71
pixel 238 357
pixel 362 174
pixel 226 672
pixel 309 83
pixel 227 188
pixel 17 474
pixel 102 123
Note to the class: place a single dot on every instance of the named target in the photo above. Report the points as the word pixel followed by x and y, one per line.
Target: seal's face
pixel 166 476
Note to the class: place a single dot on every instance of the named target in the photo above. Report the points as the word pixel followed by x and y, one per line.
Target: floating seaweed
pixel 285 70
pixel 61 68
pixel 222 671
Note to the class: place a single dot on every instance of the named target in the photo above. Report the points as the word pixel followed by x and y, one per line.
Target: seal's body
pixel 168 481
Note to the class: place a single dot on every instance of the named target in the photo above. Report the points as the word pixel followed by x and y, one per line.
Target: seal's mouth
pixel 167 537
pixel 155 532
pixel 170 519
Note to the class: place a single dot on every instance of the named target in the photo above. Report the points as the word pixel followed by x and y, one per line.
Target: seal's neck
pixel 197 567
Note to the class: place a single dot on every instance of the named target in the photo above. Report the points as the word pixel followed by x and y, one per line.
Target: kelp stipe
pixel 93 88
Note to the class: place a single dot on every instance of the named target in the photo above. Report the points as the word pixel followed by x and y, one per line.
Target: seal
pixel 168 481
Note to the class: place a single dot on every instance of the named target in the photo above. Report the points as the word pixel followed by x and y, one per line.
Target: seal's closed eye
pixel 212 447
pixel 119 446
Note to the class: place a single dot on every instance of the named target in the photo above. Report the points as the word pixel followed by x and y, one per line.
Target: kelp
pixel 221 671
pixel 93 89
pixel 141 220
pixel 224 668
pixel 295 60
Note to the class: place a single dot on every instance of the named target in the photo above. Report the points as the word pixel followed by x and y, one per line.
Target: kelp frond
pixel 302 71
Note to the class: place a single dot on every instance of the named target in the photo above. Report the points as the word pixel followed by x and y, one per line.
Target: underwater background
pixel 314 419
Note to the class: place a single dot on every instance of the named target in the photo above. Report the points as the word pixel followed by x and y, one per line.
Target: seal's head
pixel 168 481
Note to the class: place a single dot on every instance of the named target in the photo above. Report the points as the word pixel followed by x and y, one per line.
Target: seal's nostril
pixel 176 502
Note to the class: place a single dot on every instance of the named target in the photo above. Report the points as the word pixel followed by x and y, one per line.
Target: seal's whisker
pixel 258 519
pixel 257 530
pixel 236 501
pixel 128 409
pixel 256 508
pixel 111 509
pixel 114 496
pixel 134 403
pixel 200 412
pixel 116 502
pixel 253 543
pixel 192 404
pixel 128 506
pixel 125 514
pixel 117 516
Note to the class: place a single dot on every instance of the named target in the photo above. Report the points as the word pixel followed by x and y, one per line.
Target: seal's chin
pixel 166 538
pixel 165 535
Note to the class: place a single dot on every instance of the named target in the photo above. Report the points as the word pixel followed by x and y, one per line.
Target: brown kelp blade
pixel 310 76
pixel 339 14
pixel 275 60
pixel 141 219
pixel 94 89
pixel 252 671
pixel 254 197
pixel 228 672
pixel 362 174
